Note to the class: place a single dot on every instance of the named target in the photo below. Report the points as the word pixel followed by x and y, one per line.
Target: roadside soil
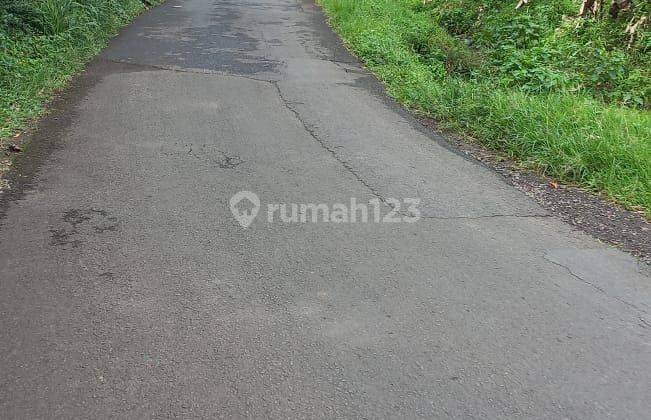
pixel 584 210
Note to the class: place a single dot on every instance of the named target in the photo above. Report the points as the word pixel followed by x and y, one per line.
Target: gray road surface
pixel 128 290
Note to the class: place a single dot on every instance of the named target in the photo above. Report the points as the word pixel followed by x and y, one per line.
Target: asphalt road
pixel 129 290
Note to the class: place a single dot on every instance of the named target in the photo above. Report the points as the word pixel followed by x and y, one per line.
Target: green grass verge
pixel 572 135
pixel 43 43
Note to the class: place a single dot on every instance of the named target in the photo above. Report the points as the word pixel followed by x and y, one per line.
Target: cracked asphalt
pixel 127 288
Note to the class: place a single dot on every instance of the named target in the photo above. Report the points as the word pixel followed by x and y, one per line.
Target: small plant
pixel 56 16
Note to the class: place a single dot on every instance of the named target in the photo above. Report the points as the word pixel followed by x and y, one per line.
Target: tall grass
pixel 56 15
pixel 569 135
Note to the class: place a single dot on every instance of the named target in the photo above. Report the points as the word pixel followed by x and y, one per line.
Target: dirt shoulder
pixel 590 213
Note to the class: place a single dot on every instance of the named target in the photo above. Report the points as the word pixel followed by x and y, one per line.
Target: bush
pixel 541 48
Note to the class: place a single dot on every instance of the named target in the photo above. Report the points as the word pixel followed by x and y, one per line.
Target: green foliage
pixel 18 16
pixel 542 48
pixel 43 43
pixel 532 69
pixel 436 46
pixel 561 101
pixel 56 16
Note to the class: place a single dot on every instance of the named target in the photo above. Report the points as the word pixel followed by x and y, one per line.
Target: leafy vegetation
pixel 43 43
pixel 545 47
pixel 568 96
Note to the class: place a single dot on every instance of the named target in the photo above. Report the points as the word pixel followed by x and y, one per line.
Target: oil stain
pixel 82 223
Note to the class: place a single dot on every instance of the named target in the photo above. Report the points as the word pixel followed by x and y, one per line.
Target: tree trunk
pixel 590 8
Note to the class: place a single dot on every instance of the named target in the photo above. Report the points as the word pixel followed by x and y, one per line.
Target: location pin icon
pixel 245 206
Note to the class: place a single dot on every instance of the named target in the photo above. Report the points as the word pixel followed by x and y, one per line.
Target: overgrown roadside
pixel 568 98
pixel 43 43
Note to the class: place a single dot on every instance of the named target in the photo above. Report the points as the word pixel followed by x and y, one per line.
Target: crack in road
pixel 594 286
pixel 330 150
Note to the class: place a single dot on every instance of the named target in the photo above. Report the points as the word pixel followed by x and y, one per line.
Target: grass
pixel 43 43
pixel 512 84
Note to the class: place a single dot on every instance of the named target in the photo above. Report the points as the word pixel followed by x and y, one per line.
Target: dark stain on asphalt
pixel 229 162
pixel 63 237
pixel 98 221
pixel 107 275
pixel 77 216
pixel 218 46
pixel 203 153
